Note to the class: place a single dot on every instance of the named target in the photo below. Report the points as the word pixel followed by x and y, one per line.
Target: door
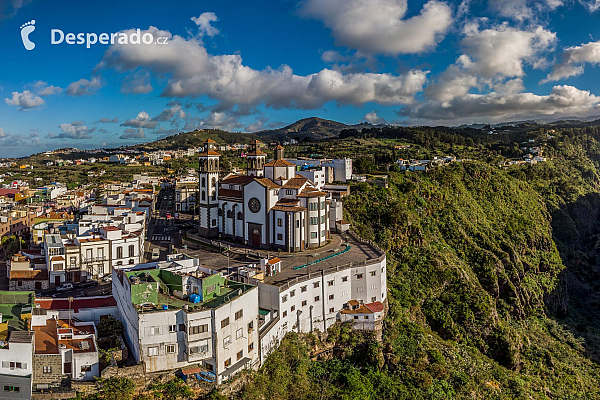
pixel 38 285
pixel 256 238
pixel 57 280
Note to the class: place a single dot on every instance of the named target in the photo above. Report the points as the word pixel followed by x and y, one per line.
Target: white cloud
pixel 191 71
pixel 141 121
pixel 74 130
pixel 175 111
pixel 25 100
pixel 220 120
pixel 378 27
pixel 131 133
pixel 204 24
pixel 573 60
pixel 108 120
pixel 489 57
pixel 591 5
pixel 373 118
pixel 2 133
pixel 137 82
pixel 493 107
pixel 9 8
pixel 84 87
pixel 42 88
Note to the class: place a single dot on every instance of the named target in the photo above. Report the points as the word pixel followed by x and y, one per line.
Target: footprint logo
pixel 26 29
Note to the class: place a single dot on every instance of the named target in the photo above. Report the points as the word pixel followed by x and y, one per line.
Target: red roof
pixel 375 307
pixel 81 302
pixel 111 228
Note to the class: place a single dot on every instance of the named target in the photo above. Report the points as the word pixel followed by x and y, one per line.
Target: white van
pixel 155 254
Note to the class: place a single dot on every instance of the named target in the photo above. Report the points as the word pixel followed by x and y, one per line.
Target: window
pixel 172 328
pixel 356 317
pixel 182 328
pixel 284 314
pixel 316 284
pixel 170 348
pixel 284 298
pixel 330 297
pixel 73 261
pixel 225 322
pixel 317 298
pixel 322 233
pixel 194 330
pixel 373 273
pixel 314 220
pixel 131 250
pixel 86 368
pixel 250 326
pixel 359 276
pixel 14 389
pixel 119 252
pixel 303 303
pixel 312 206
pixel 154 330
pixel 229 214
pixel 322 219
pixel 227 341
pixel 250 347
pixel 153 351
pixel 239 333
pixel 292 293
pixel 101 253
pixel 292 309
pixel 19 283
pixel 330 283
pixel 366 317
pixel 239 314
pixel 360 289
pixel 298 223
pixel 303 289
pixel 240 354
pixel 279 222
pixel 210 289
pixel 313 235
pixel 199 349
pixel 289 191
pixel 344 279
pixel 331 310
pixel 373 299
pixel 280 236
pixel 227 363
pixel 240 216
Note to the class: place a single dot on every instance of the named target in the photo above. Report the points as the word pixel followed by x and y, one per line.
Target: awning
pixel 235 367
pixel 190 371
pixel 263 312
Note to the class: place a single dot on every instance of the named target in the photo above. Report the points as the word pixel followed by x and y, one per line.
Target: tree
pixel 109 327
pixel 116 388
pixel 11 245
pixel 172 390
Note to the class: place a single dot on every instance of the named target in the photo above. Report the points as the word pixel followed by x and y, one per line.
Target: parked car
pixel 65 287
pixel 155 254
pixel 88 283
pixel 107 278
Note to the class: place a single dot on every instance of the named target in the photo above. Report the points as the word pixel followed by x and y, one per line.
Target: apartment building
pixel 16 345
pixel 177 313
pixel 186 194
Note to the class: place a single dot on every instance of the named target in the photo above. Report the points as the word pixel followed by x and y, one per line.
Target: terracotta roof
pixel 296 182
pixel 57 258
pixel 279 163
pixel 77 303
pixel 353 302
pixel 238 179
pixel 209 141
pixel 274 260
pixel 288 208
pixel 376 306
pixel 360 310
pixel 278 147
pixel 36 274
pixel 110 228
pixel 209 153
pixel 238 194
pixel 288 201
pixel 311 193
pixel 266 182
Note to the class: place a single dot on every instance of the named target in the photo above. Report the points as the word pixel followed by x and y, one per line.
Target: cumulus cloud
pixel 142 120
pixel 521 10
pixel 221 120
pixel 204 24
pixel 43 89
pixel 137 82
pixel 191 71
pixel 84 87
pixel 108 120
pixel 378 26
pixel 591 5
pixel 490 56
pixel 373 118
pixel 74 130
pixel 2 133
pixel 175 111
pixel 25 101
pixel 495 106
pixel 131 133
pixel 573 60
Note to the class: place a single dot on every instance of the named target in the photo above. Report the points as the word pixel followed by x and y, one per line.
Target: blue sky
pixel 246 66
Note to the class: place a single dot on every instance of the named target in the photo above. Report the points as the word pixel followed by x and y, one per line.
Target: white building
pixel 270 207
pixel 177 313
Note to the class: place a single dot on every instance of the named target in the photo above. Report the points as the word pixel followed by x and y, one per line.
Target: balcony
pixel 86 260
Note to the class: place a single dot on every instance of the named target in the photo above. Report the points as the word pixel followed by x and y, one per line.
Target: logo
pixel 26 29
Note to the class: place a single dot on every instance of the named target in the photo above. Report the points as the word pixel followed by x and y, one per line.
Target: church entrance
pixel 256 238
pixel 254 234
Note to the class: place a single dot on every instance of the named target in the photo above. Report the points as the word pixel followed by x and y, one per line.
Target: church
pixel 269 207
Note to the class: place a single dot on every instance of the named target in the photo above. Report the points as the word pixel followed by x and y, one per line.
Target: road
pixel 103 289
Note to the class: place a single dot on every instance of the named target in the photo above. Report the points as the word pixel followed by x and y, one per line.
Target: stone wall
pixel 136 372
pixel 47 360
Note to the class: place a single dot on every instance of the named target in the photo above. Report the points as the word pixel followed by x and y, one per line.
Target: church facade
pixel 268 207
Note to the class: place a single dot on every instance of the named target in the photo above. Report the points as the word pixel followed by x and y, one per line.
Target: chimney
pixel 279 152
